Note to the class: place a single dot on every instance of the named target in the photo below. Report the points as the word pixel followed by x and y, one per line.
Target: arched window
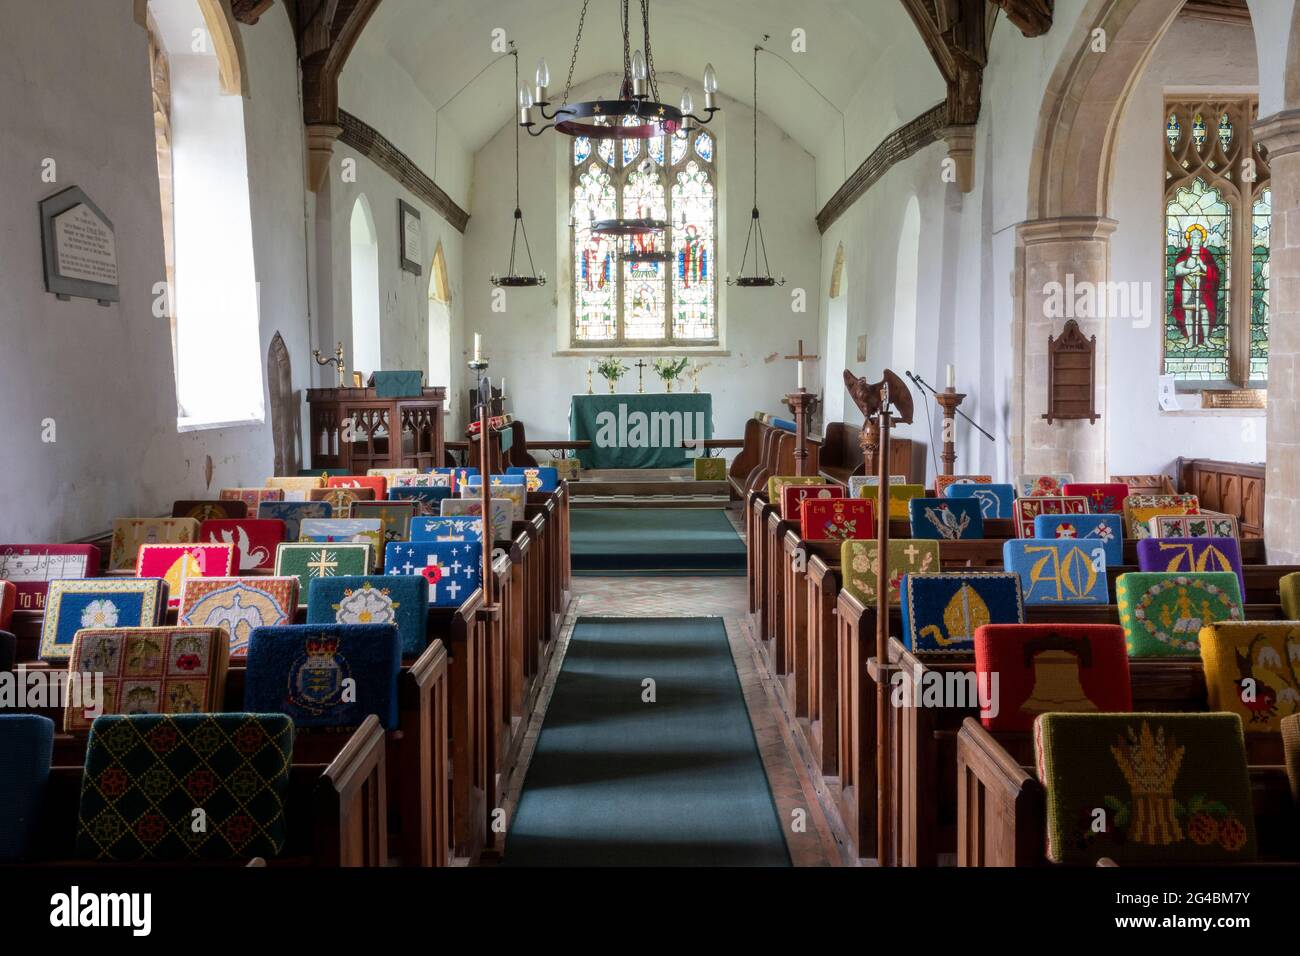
pixel 906 276
pixel 365 289
pixel 439 320
pixel 837 332
pixel 212 305
pixel 658 289
pixel 1218 210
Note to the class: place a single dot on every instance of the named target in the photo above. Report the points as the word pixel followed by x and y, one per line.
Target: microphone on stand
pixel 926 385
pixel 929 416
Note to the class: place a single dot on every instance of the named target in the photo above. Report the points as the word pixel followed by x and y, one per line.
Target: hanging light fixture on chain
pixel 513 280
pixel 756 279
pixel 636 113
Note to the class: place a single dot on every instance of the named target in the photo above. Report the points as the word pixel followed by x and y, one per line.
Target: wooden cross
pixel 640 375
pixel 801 358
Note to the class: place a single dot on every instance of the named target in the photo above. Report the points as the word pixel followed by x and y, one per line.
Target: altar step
pixel 649 493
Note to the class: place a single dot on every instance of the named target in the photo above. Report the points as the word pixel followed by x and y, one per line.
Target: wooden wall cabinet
pixel 352 430
pixel 1231 487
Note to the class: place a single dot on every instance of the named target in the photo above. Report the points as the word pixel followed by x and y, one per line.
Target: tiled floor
pixel 812 830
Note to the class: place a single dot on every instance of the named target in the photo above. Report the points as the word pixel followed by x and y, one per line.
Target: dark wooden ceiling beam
pixel 328 31
pixel 250 11
pixel 956 32
pixel 1033 18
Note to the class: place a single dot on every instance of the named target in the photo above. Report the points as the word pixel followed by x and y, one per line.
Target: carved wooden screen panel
pixel 370 439
pixel 286 426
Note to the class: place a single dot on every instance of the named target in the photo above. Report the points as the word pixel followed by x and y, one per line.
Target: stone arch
pixel 228 45
pixel 1067 228
pixel 1085 98
pixel 1292 90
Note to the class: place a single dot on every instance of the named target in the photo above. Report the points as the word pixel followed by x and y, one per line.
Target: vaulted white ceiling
pixel 443 44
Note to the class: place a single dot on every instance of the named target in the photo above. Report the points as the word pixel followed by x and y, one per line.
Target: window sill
pixel 597 351
pixel 1215 413
pixel 199 425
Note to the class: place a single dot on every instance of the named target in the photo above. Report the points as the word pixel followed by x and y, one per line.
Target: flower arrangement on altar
pixel 611 369
pixel 669 370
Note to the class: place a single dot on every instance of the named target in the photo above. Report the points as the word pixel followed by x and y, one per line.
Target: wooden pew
pixel 416 765
pixel 806 652
pixel 464 633
pixel 478 687
pixel 857 732
pixel 808 598
pixel 922 741
pixel 841 452
pixel 1002 807
pixel 335 814
pixel 751 452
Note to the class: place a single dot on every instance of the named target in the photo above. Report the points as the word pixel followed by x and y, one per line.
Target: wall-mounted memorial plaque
pixel 412 237
pixel 79 247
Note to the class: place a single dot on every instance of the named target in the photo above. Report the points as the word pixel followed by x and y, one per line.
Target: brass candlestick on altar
pixel 949 400
pixel 336 361
pixel 695 376
pixel 589 392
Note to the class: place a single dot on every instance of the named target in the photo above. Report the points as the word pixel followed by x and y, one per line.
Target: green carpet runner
pixel 655 540
pixel 619 781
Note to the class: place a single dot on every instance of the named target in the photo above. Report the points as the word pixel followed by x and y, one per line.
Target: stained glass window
pixel 657 288
pixel 1261 220
pixel 1216 242
pixel 1198 249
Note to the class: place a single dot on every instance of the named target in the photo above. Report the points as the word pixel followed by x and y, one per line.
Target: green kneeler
pixel 710 469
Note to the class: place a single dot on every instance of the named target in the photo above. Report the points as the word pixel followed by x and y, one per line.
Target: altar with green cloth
pixel 640 430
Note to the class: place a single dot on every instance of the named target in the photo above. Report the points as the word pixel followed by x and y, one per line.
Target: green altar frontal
pixel 640 430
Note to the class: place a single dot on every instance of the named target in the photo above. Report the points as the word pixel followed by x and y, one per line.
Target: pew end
pixel 1001 806
pixel 335 814
pixel 346 803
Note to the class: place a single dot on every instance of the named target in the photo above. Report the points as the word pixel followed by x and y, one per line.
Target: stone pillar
pixel 1280 134
pixel 1056 258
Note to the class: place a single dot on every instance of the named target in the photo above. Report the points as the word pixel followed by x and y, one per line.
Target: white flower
pixel 1268 657
pixel 366 606
pixel 101 613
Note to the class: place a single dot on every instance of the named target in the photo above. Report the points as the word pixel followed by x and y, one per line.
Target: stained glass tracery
pixel 1217 224
pixel 647 294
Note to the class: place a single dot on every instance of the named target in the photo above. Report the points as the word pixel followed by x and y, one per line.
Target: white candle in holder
pixel 952 376
pixel 478 347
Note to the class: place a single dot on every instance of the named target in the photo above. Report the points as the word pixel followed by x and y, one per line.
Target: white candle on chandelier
pixel 952 376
